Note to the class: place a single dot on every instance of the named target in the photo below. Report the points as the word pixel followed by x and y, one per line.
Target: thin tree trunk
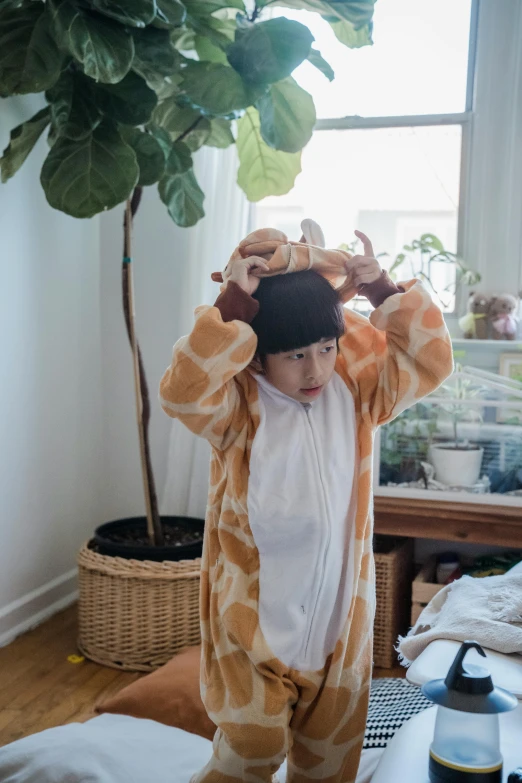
pixel 154 528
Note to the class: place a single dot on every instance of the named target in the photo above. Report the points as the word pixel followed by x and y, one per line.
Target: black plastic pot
pixel 132 551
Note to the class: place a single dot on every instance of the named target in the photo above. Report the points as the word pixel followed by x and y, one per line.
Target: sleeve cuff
pixel 234 304
pixel 380 290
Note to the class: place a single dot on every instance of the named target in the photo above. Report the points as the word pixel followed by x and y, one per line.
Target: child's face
pixel 304 373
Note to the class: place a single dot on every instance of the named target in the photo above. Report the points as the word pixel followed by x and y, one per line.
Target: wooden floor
pixel 41 688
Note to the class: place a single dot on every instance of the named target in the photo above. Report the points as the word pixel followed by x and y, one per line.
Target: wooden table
pixel 406 756
pixel 448 521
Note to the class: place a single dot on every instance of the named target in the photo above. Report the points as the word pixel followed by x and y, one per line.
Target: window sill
pixel 461 341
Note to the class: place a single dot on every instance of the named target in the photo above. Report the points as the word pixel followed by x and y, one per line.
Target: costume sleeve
pixel 201 387
pixel 400 355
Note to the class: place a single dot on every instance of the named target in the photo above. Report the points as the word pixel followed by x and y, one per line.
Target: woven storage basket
pixel 135 615
pixel 393 575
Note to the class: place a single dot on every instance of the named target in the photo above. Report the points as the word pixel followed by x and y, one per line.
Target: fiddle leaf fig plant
pixel 132 89
pixel 115 73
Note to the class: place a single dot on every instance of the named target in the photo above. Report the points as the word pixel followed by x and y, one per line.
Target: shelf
pixel 461 341
pixel 447 520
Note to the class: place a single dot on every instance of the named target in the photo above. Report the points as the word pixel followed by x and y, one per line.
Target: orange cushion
pixel 169 695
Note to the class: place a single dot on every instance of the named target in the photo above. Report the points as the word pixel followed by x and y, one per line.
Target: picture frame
pixel 510 366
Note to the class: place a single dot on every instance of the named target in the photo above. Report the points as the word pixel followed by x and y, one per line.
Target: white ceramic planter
pixel 456 467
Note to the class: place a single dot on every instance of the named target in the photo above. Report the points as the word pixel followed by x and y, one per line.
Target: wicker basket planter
pixel 393 575
pixel 135 615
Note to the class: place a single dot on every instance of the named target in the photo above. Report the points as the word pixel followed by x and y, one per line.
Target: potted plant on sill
pixel 458 462
pixel 422 257
pixel 130 92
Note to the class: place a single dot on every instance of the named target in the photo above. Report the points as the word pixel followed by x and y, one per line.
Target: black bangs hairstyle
pixel 296 310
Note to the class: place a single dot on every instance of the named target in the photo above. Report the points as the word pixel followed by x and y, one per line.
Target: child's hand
pixel 246 273
pixel 363 269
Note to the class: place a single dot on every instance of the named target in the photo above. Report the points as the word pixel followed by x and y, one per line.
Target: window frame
pixel 464 119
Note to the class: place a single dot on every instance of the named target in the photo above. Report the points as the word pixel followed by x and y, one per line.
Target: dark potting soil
pixel 174 535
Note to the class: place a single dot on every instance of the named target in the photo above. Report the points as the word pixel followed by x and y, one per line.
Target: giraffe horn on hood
pixel 312 233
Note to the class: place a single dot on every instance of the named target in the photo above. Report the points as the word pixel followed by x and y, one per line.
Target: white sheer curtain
pixel 493 229
pixel 210 245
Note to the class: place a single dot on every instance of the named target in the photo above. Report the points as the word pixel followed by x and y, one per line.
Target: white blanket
pixel 118 749
pixel 488 611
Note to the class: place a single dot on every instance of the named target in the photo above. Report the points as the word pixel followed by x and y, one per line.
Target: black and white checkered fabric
pixel 392 702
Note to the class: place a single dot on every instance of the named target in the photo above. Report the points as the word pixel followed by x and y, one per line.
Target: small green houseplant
pixel 422 257
pixel 131 90
pixel 458 461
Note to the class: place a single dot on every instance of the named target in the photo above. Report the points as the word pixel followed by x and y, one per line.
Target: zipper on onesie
pixel 308 408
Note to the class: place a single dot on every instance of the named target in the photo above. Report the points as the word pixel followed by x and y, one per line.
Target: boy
pixel 289 387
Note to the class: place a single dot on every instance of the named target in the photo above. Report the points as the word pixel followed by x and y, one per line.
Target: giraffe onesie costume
pixel 287 579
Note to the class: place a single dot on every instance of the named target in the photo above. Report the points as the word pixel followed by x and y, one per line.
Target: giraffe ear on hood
pixel 312 233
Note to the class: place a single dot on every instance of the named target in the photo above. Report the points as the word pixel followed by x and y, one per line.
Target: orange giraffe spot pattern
pixel 247 740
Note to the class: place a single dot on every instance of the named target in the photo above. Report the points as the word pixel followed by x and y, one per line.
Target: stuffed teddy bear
pixel 475 323
pixel 502 316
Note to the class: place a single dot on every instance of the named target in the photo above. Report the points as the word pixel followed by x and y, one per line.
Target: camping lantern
pixel 466 743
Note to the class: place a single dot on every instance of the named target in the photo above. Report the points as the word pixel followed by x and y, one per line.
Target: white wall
pixel 160 278
pixel 70 456
pixel 50 398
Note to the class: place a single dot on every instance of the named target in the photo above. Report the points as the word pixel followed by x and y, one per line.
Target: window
pixel 390 148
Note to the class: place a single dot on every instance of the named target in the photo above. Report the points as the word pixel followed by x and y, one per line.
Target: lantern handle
pixel 457 669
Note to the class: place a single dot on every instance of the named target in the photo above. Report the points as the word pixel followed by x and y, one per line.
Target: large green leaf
pixel 182 123
pixel 30 60
pixel 82 178
pixel 171 13
pixel 130 102
pixel 23 139
pixel 220 133
pixel 174 118
pixel 183 39
pixel 320 63
pixel 358 12
pixel 104 48
pixel 198 136
pixel 351 36
pixel 287 115
pixel 263 171
pixel 136 13
pixel 161 136
pixel 75 112
pixel 220 32
pixel 183 198
pixel 154 54
pixel 208 51
pixel 179 160
pixel 149 154
pixel 215 88
pixel 269 51
pixel 166 86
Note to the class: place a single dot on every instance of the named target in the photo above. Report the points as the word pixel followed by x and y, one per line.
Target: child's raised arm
pixel 200 388
pixel 402 353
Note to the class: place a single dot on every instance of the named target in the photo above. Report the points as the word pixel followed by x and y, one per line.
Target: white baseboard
pixel 38 605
